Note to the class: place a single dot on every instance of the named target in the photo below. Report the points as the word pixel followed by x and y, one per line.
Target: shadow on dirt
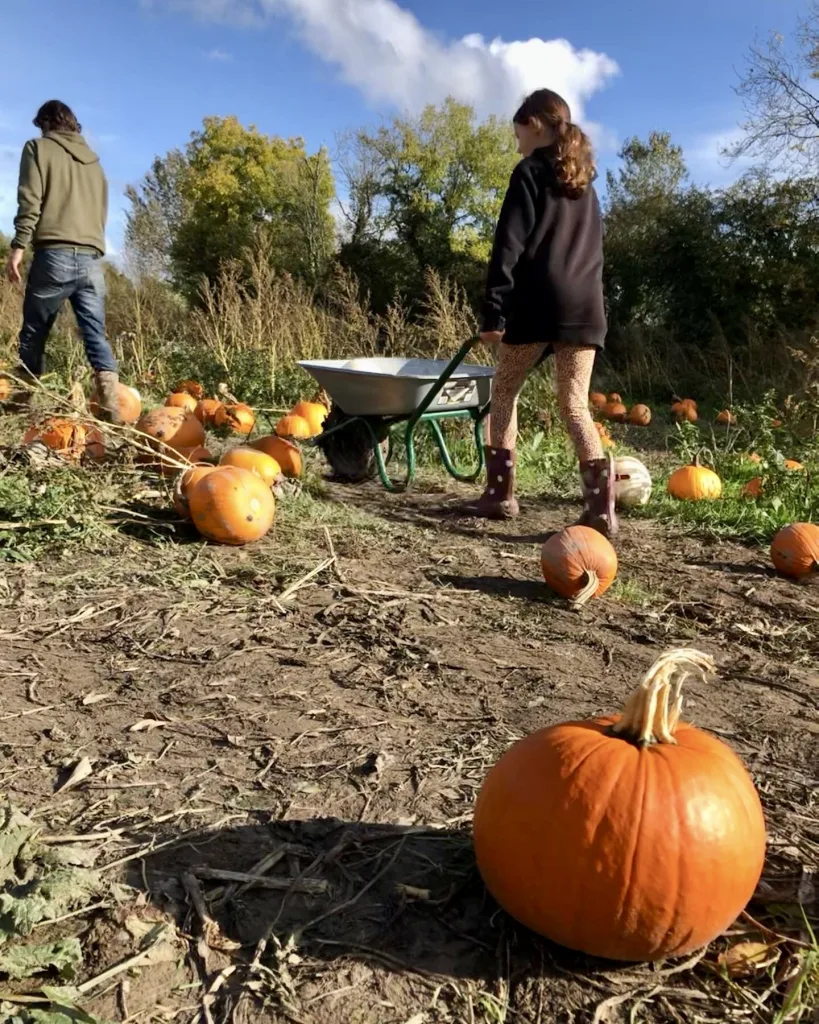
pixel 500 586
pixel 404 897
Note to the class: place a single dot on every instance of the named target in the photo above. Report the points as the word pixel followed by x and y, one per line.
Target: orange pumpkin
pixel 184 482
pixel 231 506
pixel 726 418
pixel 237 419
pixel 605 438
pixel 615 411
pixel 753 489
pixel 69 438
pixel 176 428
pixel 753 457
pixel 5 388
pixel 793 465
pixel 314 412
pixel 181 400
pixel 694 483
pixel 795 550
pixel 776 424
pixel 264 466
pixel 614 397
pixel 632 837
pixel 190 387
pixel 685 412
pixel 206 411
pixel 293 426
pixel 286 454
pixel 129 403
pixel 640 415
pixel 597 399
pixel 578 563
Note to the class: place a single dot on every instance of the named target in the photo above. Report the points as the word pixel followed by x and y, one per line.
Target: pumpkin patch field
pixel 282 749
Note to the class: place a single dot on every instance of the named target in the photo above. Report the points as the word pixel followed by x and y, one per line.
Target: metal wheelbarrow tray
pixel 371 396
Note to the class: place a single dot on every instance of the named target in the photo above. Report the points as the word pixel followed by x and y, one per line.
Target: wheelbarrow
pixel 375 399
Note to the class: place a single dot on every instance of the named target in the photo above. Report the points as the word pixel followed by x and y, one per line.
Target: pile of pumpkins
pixel 305 419
pixel 611 408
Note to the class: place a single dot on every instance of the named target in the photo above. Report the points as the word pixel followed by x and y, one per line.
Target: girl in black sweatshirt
pixel 544 295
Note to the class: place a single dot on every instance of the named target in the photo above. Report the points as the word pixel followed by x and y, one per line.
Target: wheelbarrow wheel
pixel 349 451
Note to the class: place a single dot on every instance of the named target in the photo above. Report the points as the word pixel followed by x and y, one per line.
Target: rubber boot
pixel 107 387
pixel 597 478
pixel 498 499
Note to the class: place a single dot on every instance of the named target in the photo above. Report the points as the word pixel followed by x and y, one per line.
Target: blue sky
pixel 141 74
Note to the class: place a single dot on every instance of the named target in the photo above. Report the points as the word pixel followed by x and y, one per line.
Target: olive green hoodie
pixel 62 198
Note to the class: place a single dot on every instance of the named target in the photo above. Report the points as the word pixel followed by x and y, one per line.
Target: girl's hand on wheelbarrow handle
pixel 491 337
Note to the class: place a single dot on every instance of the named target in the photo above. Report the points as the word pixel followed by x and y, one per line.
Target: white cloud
pixel 218 55
pixel 383 50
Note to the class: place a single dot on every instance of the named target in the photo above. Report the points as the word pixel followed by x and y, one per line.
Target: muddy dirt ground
pixel 333 740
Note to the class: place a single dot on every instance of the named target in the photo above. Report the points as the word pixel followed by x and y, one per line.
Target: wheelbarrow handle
pixel 436 388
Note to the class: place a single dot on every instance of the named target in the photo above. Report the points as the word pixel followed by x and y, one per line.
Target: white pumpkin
pixel 632 482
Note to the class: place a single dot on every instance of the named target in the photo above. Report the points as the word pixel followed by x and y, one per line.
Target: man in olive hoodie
pixel 62 209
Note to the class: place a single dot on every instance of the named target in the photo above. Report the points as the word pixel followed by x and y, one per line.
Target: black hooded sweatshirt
pixel 545 280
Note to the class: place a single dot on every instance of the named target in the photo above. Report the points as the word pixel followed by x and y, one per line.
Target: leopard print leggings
pixel 573 370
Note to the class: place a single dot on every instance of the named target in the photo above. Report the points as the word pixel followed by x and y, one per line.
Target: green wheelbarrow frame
pixel 477 414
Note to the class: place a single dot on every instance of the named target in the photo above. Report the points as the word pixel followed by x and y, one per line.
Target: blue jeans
pixel 57 275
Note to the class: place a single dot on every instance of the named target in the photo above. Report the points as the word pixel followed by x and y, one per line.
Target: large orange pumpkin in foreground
pixel 184 482
pixel 578 563
pixel 231 506
pixel 631 837
pixel 795 550
pixel 314 412
pixel 286 454
pixel 694 483
pixel 176 428
pixel 129 403
pixel 238 419
pixel 264 466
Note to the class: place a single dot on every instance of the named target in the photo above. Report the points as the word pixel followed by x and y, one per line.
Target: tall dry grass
pixel 249 332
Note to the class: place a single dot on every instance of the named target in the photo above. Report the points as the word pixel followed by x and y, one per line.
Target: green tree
pixel 197 208
pixel 424 193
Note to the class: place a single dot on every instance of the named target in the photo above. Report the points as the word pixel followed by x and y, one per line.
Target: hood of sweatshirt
pixel 75 145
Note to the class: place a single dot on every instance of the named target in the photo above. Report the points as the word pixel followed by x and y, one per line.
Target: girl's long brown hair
pixel 573 156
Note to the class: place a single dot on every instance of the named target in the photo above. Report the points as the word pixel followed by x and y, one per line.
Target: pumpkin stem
pixel 588 591
pixel 653 710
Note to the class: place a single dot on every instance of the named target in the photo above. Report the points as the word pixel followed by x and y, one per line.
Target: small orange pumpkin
pixel 69 438
pixel 181 400
pixel 615 411
pixel 190 387
pixel 286 454
pixel 174 427
pixel 795 550
pixel 793 465
pixel 264 466
pixel 605 437
pixel 776 424
pixel 231 506
pixel 129 404
pixel 578 563
pixel 694 483
pixel 293 426
pixel 597 399
pixel 206 411
pixel 753 489
pixel 640 416
pixel 614 397
pixel 726 418
pixel 685 412
pixel 314 412
pixel 632 837
pixel 237 419
pixel 5 388
pixel 184 482
pixel 753 457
